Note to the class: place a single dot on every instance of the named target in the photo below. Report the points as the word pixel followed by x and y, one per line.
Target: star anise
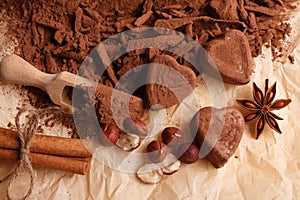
pixel 262 108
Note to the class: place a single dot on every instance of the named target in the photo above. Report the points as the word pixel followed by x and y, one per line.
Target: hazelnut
pixel 191 153
pixel 111 134
pixel 157 151
pixel 136 126
pixel 172 136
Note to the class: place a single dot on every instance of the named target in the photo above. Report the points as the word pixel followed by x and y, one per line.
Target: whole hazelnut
pixel 157 151
pixel 191 153
pixel 111 134
pixel 172 136
pixel 136 126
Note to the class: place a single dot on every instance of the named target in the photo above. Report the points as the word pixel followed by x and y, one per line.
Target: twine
pixel 25 135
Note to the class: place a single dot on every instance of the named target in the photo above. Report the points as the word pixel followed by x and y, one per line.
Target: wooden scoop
pixel 14 69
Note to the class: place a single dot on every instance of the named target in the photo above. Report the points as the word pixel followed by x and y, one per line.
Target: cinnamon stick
pixel 74 165
pixel 52 145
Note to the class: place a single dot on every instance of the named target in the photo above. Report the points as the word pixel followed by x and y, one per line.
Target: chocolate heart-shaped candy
pixel 231 56
pixel 168 82
pixel 219 132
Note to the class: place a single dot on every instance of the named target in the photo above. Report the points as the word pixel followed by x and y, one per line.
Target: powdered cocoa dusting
pixel 57 35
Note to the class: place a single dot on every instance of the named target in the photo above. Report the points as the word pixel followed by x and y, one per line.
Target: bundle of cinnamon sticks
pixel 66 154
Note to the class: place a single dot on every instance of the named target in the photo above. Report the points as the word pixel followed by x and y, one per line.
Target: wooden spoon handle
pixel 14 69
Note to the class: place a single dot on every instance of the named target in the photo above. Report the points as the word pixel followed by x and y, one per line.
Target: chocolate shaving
pixel 163 15
pixel 173 23
pixel 178 22
pixel 48 23
pixel 177 13
pixel 252 21
pixel 107 62
pixel 189 30
pixel 263 10
pixel 148 4
pixel 223 9
pixel 78 19
pixel 176 7
pixel 122 23
pixel 94 14
pixel 242 11
pixel 203 37
pixel 142 19
pixel 280 2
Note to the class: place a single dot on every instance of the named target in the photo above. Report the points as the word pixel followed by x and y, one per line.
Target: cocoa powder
pixel 57 35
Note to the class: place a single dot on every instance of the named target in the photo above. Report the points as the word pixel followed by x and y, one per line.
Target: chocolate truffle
pixel 169 82
pixel 219 133
pixel 231 56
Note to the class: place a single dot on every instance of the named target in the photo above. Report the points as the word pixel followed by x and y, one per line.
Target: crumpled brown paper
pixel 267 168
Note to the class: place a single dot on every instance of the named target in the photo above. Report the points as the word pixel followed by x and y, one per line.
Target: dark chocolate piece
pixel 223 9
pixel 118 110
pixel 112 106
pixel 168 85
pixel 232 57
pixel 219 133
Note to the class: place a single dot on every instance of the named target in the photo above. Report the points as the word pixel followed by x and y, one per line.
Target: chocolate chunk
pixel 168 84
pixel 142 19
pixel 163 15
pixel 252 21
pixel 78 14
pixel 219 133
pixel 59 36
pixel 232 57
pixel 48 23
pixel 177 13
pixel 263 10
pixel 223 9
pixel 111 105
pixel 148 4
pixel 135 107
pixel 173 23
pixel 242 11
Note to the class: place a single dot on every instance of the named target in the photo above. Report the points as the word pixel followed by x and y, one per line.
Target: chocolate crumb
pixel 291 59
pixel 9 125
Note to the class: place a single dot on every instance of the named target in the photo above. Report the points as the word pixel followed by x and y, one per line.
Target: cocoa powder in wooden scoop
pixel 14 69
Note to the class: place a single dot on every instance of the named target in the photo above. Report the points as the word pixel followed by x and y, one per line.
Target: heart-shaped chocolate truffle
pixel 219 132
pixel 168 82
pixel 231 56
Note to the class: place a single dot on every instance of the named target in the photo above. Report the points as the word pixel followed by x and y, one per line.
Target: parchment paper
pixel 267 168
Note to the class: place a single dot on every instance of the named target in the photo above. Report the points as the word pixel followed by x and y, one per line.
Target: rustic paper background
pixel 267 168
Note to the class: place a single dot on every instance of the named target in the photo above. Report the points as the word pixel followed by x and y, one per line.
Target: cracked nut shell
pixel 170 164
pixel 136 126
pixel 150 173
pixel 128 142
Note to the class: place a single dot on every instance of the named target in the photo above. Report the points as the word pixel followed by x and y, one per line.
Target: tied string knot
pixel 25 134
